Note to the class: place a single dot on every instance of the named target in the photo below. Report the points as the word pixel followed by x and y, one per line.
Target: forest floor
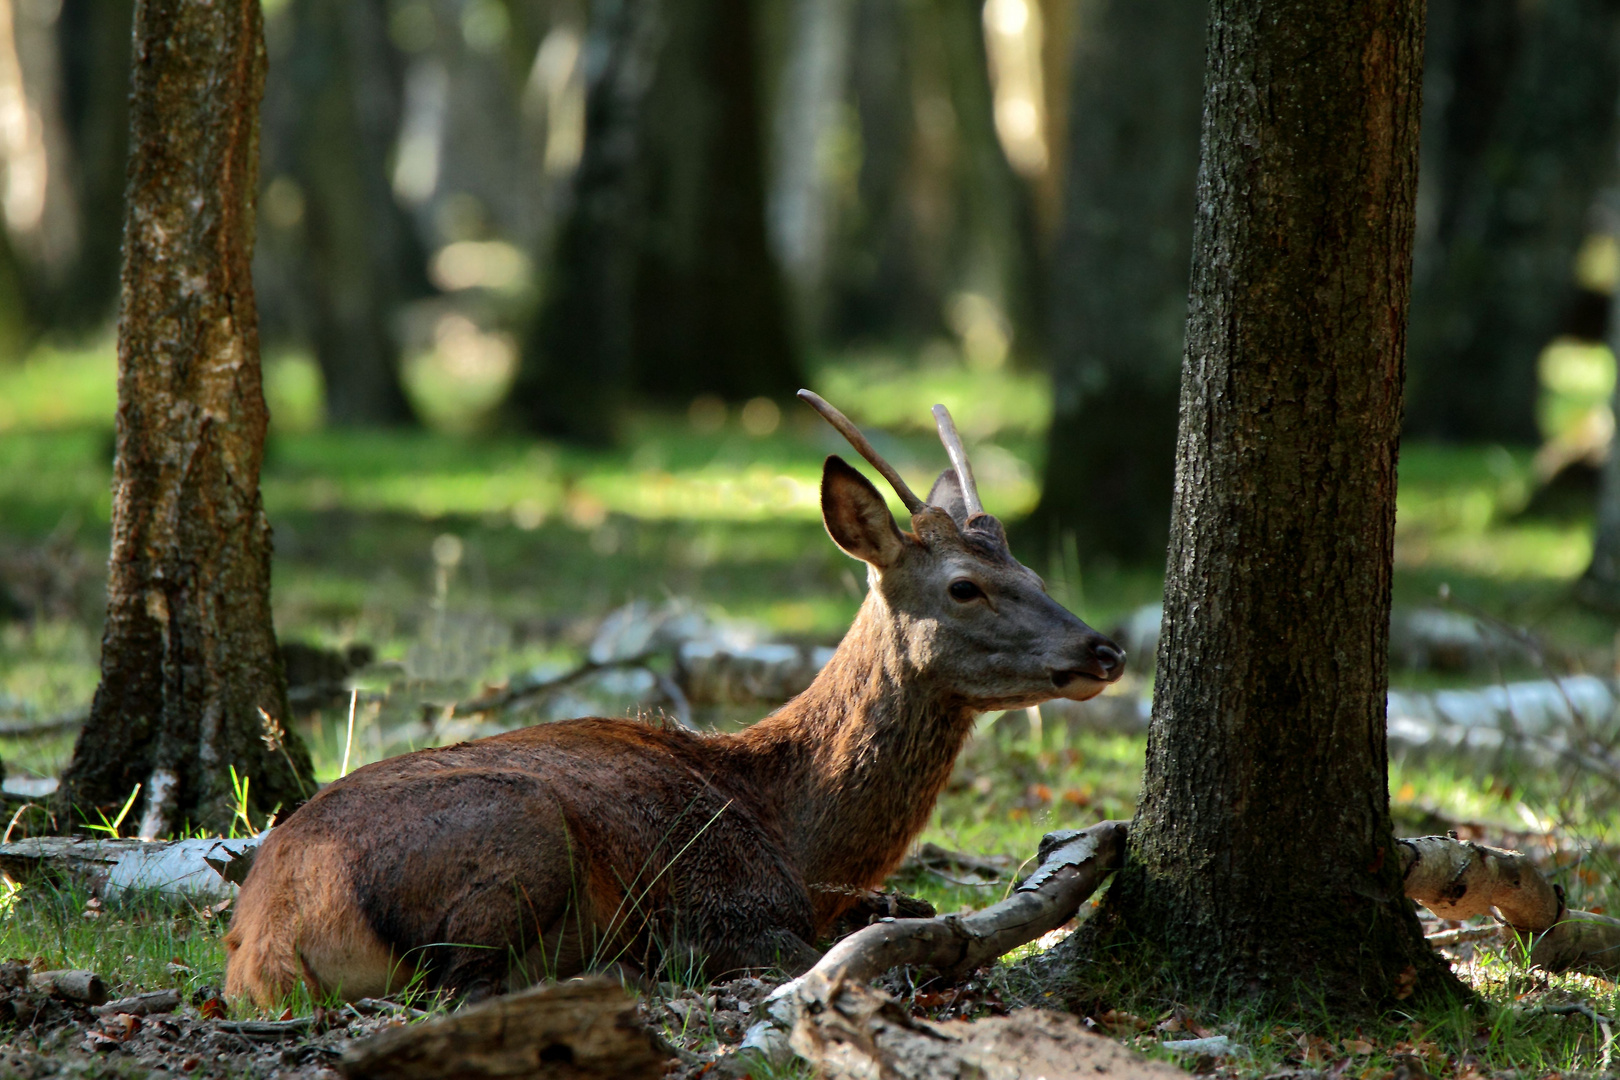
pixel 462 559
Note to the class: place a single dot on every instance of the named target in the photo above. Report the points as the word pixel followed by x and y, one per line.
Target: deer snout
pixel 1100 661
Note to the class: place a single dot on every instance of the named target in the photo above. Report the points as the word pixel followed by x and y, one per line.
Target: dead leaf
pixel 1358 1047
pixel 212 1008
pixel 1314 1050
pixel 121 1025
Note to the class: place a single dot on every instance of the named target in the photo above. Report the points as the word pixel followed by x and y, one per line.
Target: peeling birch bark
pixel 1459 879
pixel 203 868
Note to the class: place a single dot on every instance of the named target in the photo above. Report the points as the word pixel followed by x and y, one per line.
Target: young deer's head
pixel 969 617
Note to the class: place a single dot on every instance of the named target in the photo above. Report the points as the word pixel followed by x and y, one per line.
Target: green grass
pixel 554 537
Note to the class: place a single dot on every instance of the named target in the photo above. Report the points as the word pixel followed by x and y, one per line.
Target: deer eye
pixel 964 590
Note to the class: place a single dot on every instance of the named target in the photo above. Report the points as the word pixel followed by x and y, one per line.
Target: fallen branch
pixel 1457 879
pixel 1466 935
pixel 156 1001
pixel 579 1029
pixel 845 1028
pixel 267 1030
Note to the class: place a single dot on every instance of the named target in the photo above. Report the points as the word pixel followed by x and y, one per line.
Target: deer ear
pixel 856 516
pixel 947 495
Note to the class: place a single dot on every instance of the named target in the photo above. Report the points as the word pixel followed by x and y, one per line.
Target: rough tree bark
pixel 1521 144
pixel 1119 275
pixel 189 667
pixel 359 258
pixel 1262 861
pixel 661 283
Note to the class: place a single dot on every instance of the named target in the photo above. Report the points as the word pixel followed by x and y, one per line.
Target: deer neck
pixel 854 764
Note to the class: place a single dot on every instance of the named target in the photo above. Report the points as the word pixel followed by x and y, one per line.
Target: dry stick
pixel 959 459
pixel 513 694
pixel 21 810
pixel 849 431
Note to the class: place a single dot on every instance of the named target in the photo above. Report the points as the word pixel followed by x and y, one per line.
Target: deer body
pixel 552 849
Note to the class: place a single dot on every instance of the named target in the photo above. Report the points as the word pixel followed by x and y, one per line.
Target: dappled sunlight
pixel 986 402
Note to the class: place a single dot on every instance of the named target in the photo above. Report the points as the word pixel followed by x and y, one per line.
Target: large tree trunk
pixel 1262 862
pixel 662 283
pixel 1521 145
pixel 1119 303
pixel 358 258
pixel 191 682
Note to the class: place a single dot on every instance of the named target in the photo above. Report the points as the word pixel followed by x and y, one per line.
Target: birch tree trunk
pixel 191 683
pixel 1262 861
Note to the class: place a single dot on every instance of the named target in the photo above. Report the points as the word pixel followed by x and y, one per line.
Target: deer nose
pixel 1104 661
pixel 1111 658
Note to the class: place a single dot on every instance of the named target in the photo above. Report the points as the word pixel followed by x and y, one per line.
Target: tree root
pixel 846 1028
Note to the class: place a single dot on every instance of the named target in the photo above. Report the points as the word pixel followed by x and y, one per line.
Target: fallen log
pixel 1072 865
pixel 1459 879
pixel 579 1029
pixel 200 868
pixel 84 987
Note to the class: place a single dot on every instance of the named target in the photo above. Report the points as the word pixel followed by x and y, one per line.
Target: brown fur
pixel 584 843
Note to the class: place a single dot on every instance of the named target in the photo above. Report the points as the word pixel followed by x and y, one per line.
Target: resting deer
pixel 545 851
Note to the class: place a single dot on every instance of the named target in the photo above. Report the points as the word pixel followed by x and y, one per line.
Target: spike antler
pixel 959 459
pixel 858 441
